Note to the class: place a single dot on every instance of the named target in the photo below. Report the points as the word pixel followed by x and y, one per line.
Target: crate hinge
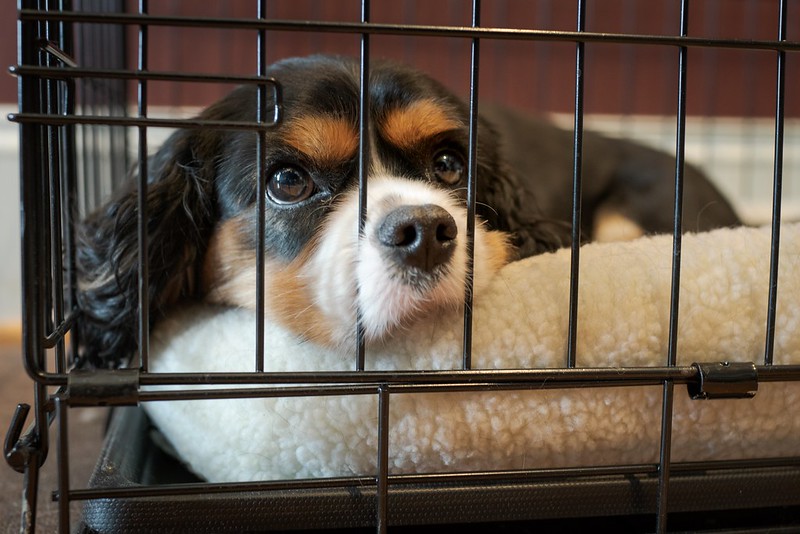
pixel 724 380
pixel 103 387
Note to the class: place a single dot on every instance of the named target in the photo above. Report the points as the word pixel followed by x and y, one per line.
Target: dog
pixel 411 259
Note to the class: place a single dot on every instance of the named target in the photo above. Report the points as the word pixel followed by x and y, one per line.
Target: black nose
pixel 418 236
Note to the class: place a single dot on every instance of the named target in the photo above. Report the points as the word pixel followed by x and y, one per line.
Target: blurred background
pixel 630 89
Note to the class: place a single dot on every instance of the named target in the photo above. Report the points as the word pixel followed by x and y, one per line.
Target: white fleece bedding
pixel 520 322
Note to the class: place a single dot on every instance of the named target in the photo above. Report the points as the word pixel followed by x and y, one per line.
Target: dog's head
pixel 319 272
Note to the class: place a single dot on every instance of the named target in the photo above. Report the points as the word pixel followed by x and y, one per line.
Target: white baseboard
pixel 10 267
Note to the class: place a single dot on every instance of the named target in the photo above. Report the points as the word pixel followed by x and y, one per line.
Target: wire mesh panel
pixel 102 84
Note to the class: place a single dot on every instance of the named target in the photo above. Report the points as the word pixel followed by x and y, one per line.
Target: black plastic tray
pixel 133 458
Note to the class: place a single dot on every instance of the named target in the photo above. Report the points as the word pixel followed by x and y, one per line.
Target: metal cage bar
pixel 665 453
pixel 142 208
pixel 777 187
pixel 364 156
pixel 577 158
pixel 472 176
pixel 421 30
pixel 261 157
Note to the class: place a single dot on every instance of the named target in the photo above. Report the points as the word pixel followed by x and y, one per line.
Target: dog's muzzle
pixel 409 263
pixel 420 237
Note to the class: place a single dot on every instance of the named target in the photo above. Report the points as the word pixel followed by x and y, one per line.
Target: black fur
pixel 632 179
pixel 202 176
pixel 180 215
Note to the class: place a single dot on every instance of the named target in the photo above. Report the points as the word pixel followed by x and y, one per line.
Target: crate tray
pixel 132 457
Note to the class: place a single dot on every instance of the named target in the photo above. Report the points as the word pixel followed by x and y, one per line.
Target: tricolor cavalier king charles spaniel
pixel 410 260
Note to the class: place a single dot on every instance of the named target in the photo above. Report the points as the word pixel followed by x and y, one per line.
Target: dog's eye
pixel 289 185
pixel 448 167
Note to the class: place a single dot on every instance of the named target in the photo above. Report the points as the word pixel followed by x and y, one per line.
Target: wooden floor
pixel 85 432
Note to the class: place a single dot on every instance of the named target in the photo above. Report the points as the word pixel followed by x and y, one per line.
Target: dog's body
pixel 412 258
pixel 622 182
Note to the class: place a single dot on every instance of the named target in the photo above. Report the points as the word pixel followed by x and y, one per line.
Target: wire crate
pixel 92 95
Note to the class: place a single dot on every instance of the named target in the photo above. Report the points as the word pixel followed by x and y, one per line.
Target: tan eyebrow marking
pixel 325 139
pixel 406 127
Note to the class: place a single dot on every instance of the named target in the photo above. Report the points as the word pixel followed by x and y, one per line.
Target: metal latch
pixel 102 387
pixel 17 448
pixel 725 380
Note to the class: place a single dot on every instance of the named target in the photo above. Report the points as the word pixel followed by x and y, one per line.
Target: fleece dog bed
pixel 520 321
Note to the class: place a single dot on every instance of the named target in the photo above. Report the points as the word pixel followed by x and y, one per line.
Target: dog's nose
pixel 419 236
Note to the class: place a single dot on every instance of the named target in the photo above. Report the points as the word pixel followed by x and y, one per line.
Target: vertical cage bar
pixel 37 206
pixel 69 183
pixel 777 189
pixel 144 271
pixel 47 101
pixel 677 233
pixel 669 386
pixel 29 496
pixel 123 140
pixel 261 158
pixel 92 140
pixel 90 183
pixel 363 163
pixel 54 190
pixel 664 458
pixel 117 98
pixel 382 483
pixel 63 463
pixel 30 173
pixel 577 164
pixel 30 492
pixel 472 178
pixel 56 238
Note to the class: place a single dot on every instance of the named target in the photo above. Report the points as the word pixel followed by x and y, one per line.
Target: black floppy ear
pixel 532 237
pixel 179 213
pixel 531 233
pixel 503 206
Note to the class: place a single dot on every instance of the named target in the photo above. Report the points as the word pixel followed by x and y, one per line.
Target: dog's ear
pixel 530 232
pixel 503 207
pixel 538 236
pixel 179 218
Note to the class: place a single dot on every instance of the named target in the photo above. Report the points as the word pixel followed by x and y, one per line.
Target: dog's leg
pixel 612 225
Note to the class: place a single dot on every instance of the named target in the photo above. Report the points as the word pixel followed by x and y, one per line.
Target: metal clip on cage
pixel 118 387
pixel 724 380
